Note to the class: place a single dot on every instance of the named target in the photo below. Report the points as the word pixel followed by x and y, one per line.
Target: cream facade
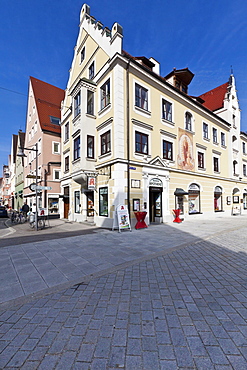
pixel 130 136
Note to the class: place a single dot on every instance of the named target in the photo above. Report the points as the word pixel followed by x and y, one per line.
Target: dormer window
pixel 55 120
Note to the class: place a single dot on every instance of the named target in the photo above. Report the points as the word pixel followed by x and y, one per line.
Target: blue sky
pixel 38 38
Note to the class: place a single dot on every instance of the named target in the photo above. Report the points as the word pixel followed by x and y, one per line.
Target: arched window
pixel 188 121
pixel 218 204
pixel 194 199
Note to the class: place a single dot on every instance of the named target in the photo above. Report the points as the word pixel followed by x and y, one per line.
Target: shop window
pixel 194 199
pixel 141 143
pixel 52 205
pixel 245 200
pixel 103 202
pixel 141 97
pixel 167 150
pixel 77 202
pixel 218 199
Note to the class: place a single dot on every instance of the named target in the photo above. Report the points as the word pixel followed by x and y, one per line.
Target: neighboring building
pixel 131 136
pixel 6 190
pixel 44 133
pixel 1 191
pixel 19 176
pixel 12 162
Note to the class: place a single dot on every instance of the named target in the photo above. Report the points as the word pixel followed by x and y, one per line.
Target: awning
pixel 180 192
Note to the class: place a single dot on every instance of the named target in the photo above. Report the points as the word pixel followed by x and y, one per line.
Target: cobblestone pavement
pixel 183 308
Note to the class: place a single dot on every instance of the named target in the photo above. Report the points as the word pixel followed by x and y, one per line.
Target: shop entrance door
pixel 155 204
pixel 66 202
pixel 90 204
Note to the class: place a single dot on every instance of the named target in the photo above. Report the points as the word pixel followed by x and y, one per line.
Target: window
pixel 66 164
pixel 91 71
pixel 166 110
pixel 167 150
pixel 56 175
pixel 55 120
pixel 244 169
pixel 244 148
pixel 215 135
pixel 200 157
pixel 216 164
pixel 105 94
pixel 141 97
pixel 105 140
pixel 66 131
pixel 90 146
pixel 53 205
pixel 83 54
pixel 141 143
pixel 188 121
pixel 77 104
pixel 223 139
pixel 235 167
pixel 77 202
pixel 218 199
pixel 103 202
pixel 56 148
pixel 90 102
pixel 77 143
pixel 194 199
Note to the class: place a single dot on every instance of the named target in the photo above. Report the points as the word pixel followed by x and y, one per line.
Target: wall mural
pixel 185 151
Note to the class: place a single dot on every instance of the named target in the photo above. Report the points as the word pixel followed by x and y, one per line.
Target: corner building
pixel 133 137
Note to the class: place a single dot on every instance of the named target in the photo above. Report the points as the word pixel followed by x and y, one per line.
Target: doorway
pixel 66 202
pixel 155 204
pixel 90 204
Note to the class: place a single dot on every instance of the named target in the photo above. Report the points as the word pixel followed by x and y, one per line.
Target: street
pixel 168 297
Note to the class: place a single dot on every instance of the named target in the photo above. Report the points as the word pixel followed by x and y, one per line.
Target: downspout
pixel 128 138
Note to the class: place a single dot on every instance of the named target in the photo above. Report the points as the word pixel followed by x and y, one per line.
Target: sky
pixel 37 38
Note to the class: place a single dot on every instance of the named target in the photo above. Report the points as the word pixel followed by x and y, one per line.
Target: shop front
pixel 155 200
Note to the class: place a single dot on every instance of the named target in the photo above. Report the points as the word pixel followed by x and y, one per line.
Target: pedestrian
pixel 25 209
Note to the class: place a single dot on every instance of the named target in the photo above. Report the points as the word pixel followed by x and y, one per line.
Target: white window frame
pixel 53 149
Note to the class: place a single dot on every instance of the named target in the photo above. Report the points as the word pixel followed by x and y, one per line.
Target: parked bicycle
pixel 32 223
pixel 18 217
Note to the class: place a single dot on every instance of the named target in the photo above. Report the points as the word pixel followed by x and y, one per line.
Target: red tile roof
pixel 48 101
pixel 214 99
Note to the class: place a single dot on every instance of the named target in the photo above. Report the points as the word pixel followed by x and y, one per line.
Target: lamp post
pixel 22 154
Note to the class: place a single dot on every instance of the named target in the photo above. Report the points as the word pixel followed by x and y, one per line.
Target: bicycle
pixel 32 223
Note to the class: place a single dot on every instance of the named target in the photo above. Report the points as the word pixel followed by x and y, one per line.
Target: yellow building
pixel 133 137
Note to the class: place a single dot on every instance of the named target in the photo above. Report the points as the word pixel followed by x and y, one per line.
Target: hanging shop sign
pixel 91 183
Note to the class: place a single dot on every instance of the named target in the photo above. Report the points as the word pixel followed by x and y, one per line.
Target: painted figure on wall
pixel 185 151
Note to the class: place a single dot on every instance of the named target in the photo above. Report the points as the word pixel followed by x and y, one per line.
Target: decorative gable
pixel 157 161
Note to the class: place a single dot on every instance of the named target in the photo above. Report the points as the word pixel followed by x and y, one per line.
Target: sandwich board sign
pixel 122 215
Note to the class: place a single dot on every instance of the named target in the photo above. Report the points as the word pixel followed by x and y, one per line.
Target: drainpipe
pixel 128 137
pixel 47 172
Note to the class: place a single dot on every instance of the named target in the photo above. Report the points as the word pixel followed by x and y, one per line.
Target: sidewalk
pixel 165 298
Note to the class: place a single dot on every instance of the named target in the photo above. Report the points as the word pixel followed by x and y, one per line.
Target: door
pixel 90 204
pixel 66 202
pixel 155 204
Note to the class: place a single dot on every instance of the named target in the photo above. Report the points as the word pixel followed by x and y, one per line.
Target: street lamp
pixel 22 154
